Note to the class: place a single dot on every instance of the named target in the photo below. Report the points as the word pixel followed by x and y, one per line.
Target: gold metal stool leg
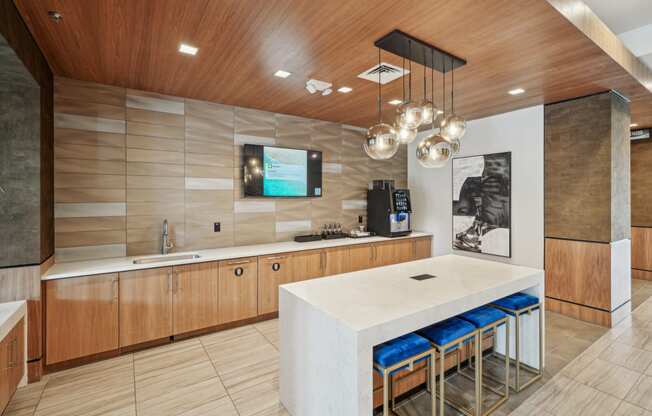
pixel 385 393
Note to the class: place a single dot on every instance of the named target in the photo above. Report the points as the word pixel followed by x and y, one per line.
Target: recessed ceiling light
pixel 395 102
pixel 633 125
pixel 282 74
pixel 440 112
pixel 344 89
pixel 516 91
pixel 187 49
pixel 55 16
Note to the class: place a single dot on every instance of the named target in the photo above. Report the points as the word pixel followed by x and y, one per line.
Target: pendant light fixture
pixel 434 151
pixel 453 126
pixel 409 113
pixel 427 106
pixel 406 135
pixel 381 141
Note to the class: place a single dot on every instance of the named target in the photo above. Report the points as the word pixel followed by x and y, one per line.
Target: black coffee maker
pixel 388 209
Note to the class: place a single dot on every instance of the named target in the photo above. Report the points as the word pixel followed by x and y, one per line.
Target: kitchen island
pixel 328 327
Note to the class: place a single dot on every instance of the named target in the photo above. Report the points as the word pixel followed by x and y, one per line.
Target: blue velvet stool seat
pixel 517 305
pixel 398 354
pixel 446 336
pixel 487 319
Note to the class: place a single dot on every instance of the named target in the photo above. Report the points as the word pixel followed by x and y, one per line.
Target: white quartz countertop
pixel 370 298
pixel 121 264
pixel 10 314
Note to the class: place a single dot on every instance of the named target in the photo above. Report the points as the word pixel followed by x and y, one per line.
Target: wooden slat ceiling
pixel 507 44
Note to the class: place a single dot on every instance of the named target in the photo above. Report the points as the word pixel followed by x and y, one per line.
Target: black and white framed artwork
pixel 482 199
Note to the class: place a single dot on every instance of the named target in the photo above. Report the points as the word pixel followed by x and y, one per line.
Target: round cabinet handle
pixel 239 271
pixel 276 267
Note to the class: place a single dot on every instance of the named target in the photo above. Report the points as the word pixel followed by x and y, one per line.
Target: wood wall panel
pixel 180 159
pixel 642 248
pixel 579 272
pixel 641 161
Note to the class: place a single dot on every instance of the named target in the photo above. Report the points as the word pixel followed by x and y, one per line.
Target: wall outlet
pixel 360 220
pixel 216 227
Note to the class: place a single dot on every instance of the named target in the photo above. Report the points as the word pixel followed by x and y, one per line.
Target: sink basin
pixel 167 257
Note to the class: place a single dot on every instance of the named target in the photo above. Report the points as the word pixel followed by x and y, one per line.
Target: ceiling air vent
pixel 388 73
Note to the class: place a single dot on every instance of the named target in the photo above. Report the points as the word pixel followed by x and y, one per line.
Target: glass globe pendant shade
pixel 428 110
pixel 405 135
pixel 453 127
pixel 381 142
pixel 434 151
pixel 409 115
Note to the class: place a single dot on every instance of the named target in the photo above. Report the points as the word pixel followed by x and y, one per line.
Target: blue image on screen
pixel 286 172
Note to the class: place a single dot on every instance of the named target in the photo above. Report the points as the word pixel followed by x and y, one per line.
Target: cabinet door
pixel 404 250
pixel 145 305
pixel 422 248
pixel 195 291
pixel 18 351
pixel 81 317
pixel 361 257
pixel 307 265
pixel 384 254
pixel 238 289
pixel 336 261
pixel 5 372
pixel 272 272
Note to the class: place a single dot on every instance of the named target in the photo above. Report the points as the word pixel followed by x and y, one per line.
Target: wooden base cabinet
pixel 336 261
pixel 422 248
pixel 273 271
pixel 195 294
pixel 238 289
pixel 145 305
pixel 307 265
pixel 12 362
pixel 81 318
pixel 361 257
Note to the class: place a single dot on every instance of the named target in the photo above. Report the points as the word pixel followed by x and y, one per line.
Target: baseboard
pixel 641 274
pixel 588 314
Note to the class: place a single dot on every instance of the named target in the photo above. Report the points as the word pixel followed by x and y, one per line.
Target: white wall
pixel 520 132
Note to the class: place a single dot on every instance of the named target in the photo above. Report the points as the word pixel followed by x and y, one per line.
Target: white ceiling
pixel 622 15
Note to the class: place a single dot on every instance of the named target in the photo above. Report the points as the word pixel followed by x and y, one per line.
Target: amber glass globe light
pixel 405 135
pixel 434 151
pixel 381 142
pixel 453 127
pixel 409 115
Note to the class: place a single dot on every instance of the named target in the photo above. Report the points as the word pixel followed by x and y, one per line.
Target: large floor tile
pixel 608 378
pixel 641 393
pixel 258 399
pixel 630 357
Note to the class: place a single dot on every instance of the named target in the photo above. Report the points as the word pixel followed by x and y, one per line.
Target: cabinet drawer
pixel 238 289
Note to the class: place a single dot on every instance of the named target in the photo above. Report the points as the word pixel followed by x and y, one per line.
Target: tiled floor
pixel 235 373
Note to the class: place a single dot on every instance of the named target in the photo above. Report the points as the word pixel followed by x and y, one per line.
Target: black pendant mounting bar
pixel 398 43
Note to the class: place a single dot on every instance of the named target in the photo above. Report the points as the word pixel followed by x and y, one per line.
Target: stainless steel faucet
pixel 167 244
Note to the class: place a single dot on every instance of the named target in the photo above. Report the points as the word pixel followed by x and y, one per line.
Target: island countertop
pixel 329 327
pixel 365 299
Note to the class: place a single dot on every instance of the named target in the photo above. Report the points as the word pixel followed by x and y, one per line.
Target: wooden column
pixel 587 208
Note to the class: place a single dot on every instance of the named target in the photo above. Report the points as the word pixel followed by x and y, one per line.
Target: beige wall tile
pixel 89 92
pixel 89 195
pixel 95 138
pixel 154 103
pixel 71 121
pixel 154 169
pixel 69 225
pixel 83 181
pixel 155 143
pixel 104 209
pixel 85 108
pixel 75 151
pixel 154 156
pixel 145 129
pixel 155 117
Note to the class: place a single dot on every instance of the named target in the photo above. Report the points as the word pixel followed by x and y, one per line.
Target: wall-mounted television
pixel 281 172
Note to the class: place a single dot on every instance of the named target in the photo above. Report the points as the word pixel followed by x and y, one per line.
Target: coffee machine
pixel 388 209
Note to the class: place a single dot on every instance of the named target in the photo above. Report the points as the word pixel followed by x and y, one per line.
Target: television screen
pixel 281 172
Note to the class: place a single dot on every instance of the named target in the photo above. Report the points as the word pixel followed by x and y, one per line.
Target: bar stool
pixel 446 336
pixel 487 319
pixel 517 305
pixel 398 354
